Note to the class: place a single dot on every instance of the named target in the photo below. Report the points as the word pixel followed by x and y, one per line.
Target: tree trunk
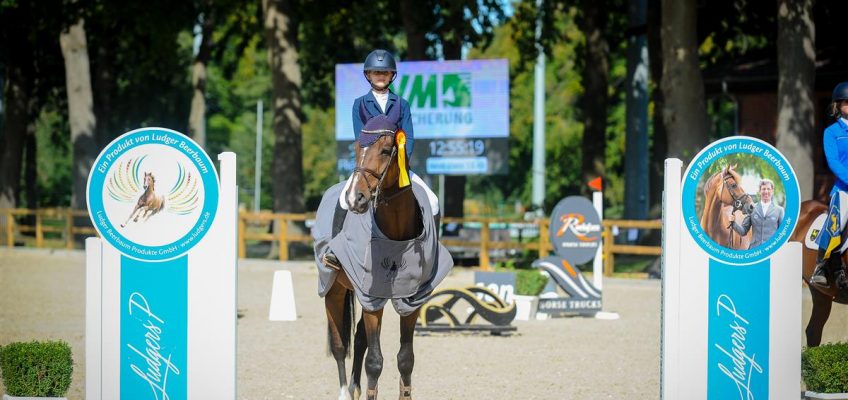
pixel 31 167
pixel 104 87
pixel 659 139
pixel 416 39
pixel 80 109
pixel 17 98
pixel 684 111
pixel 197 116
pixel 796 61
pixel 287 168
pixel 595 84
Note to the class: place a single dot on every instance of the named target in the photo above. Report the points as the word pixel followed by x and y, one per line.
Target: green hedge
pixel 825 368
pixel 529 282
pixel 37 369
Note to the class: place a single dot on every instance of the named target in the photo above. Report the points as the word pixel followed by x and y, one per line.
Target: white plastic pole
pixel 598 263
pixel 671 233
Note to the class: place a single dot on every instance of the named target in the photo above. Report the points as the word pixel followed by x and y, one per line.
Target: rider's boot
pixel 332 261
pixel 819 276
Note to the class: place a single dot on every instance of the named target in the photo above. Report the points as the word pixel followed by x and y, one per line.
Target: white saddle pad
pixel 811 239
pixel 812 236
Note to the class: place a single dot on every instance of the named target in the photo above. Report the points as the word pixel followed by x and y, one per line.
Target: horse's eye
pixel 387 152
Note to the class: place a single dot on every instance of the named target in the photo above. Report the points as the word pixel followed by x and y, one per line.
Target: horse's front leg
pixel 338 335
pixel 822 304
pixel 149 214
pixel 374 358
pixel 360 344
pixel 405 356
pixel 131 215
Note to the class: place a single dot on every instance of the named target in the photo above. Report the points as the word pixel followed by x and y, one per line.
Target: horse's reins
pixel 375 191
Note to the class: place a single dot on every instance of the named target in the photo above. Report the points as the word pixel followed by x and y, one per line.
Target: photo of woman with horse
pixel 764 221
pixel 729 214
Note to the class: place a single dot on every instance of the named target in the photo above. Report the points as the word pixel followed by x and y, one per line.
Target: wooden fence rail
pixel 47 220
pixel 258 227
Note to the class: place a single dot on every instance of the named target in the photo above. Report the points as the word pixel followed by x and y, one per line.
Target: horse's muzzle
pixel 360 203
pixel 748 209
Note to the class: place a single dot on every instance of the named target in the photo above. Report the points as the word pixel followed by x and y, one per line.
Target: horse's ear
pixel 363 113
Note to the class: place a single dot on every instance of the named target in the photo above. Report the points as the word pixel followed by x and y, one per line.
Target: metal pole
pixel 539 116
pixel 257 182
pixel 442 195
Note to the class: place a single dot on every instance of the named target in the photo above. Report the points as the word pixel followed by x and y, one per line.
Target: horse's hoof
pixel 371 394
pixel 355 393
pixel 405 392
pixel 343 394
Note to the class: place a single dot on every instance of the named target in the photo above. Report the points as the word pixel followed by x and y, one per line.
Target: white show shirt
pixel 382 99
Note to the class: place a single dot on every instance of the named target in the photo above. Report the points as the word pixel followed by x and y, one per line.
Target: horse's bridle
pixel 738 201
pixel 375 191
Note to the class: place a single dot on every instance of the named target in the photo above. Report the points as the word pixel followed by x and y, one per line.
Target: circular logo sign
pixel 740 200
pixel 152 194
pixel 575 229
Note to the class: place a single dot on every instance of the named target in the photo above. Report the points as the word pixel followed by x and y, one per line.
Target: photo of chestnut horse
pixel 724 196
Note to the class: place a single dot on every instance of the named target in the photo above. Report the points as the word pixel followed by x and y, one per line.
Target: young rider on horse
pixel 380 70
pixel 836 152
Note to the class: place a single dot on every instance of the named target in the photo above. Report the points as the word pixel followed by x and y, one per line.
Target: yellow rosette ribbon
pixel 400 139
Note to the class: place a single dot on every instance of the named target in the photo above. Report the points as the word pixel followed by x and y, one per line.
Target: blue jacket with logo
pixel 836 152
pixel 374 109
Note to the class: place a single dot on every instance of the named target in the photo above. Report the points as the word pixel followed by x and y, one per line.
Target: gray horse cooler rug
pixel 379 268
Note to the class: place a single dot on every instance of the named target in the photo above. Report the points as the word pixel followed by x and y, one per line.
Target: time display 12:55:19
pixel 454 148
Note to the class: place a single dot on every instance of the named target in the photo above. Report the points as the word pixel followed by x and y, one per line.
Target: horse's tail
pixel 348 316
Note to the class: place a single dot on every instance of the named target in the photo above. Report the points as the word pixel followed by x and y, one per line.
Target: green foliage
pixel 319 154
pixel 529 282
pixel 53 156
pixel 563 129
pixel 37 369
pixel 825 368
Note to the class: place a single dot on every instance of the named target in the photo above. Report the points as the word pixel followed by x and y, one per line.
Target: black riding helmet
pixel 840 92
pixel 380 60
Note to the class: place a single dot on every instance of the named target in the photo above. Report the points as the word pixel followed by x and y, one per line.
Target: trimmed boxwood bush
pixel 529 282
pixel 36 369
pixel 825 368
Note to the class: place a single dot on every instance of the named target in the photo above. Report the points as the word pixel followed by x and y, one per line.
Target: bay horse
pixel 823 298
pixel 149 203
pixel 723 196
pixel 374 183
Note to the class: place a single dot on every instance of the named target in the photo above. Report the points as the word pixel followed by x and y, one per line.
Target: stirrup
pixel 405 392
pixel 819 277
pixel 841 280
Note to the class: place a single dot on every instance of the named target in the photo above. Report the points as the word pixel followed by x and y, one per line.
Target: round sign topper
pixel 740 200
pixel 152 194
pixel 575 229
